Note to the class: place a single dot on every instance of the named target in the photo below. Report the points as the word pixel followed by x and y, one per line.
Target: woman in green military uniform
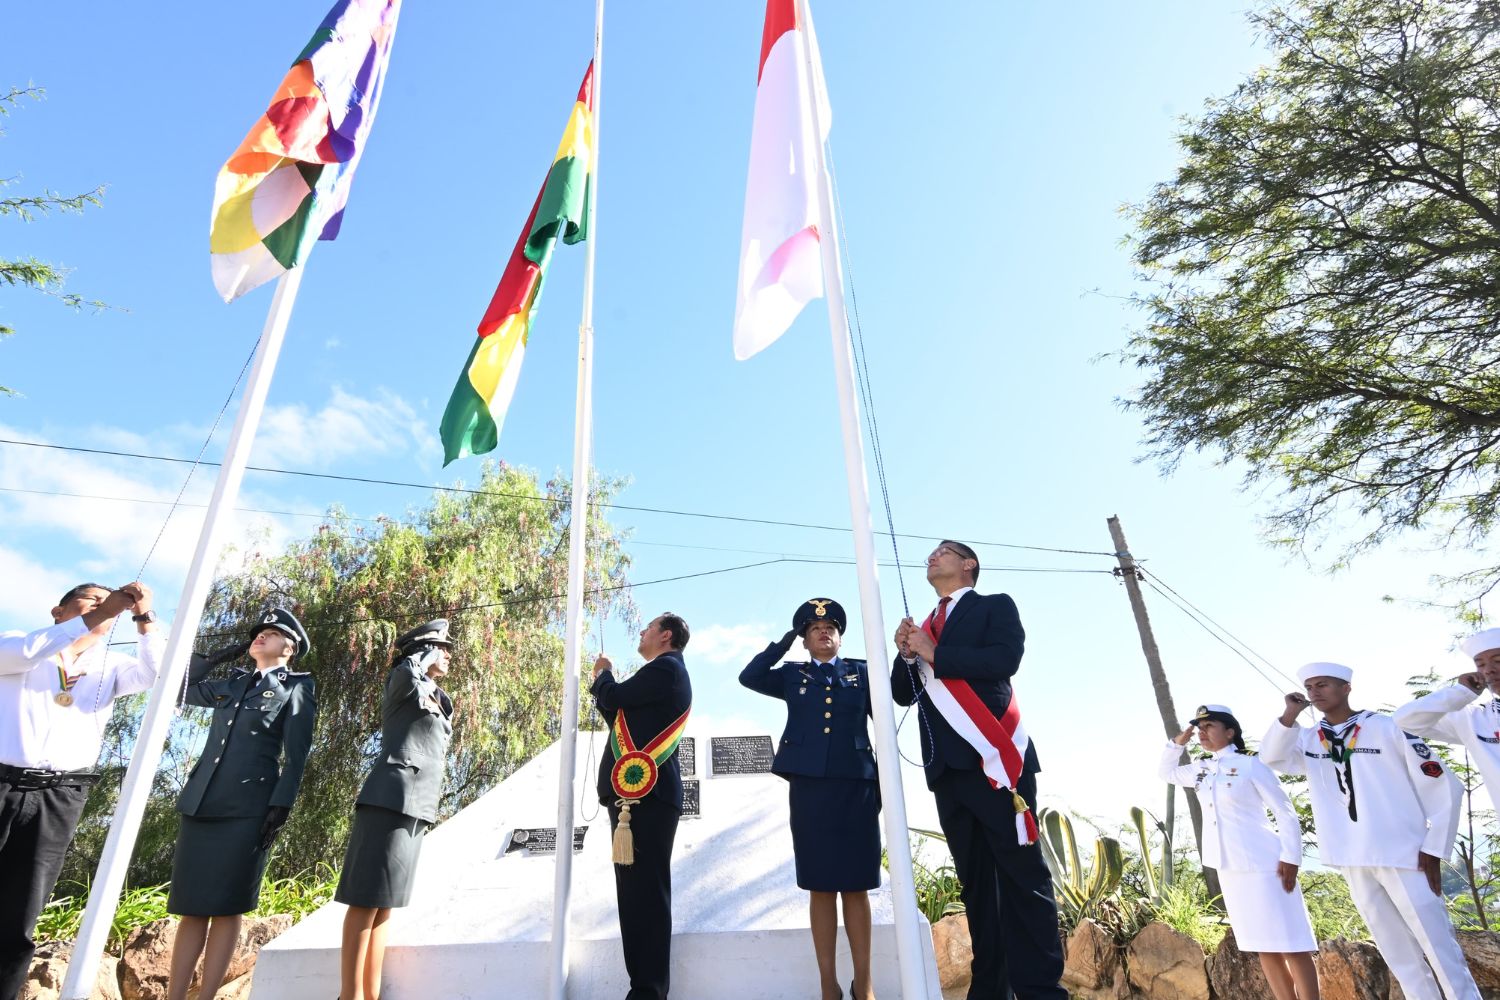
pixel 239 793
pixel 397 805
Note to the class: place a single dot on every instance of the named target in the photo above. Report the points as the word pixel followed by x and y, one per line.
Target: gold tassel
pixel 624 842
pixel 1018 802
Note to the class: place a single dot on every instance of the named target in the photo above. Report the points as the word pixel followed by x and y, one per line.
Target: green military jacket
pixel 256 718
pixel 416 725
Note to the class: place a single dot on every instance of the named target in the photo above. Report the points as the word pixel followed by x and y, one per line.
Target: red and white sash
pixel 1001 743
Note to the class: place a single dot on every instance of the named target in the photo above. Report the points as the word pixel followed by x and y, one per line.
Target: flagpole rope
pixel 856 335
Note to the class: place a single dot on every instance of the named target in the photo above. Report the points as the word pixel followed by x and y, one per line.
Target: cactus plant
pixel 1156 883
pixel 1079 896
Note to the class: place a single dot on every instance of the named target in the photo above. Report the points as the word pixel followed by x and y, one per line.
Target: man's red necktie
pixel 940 619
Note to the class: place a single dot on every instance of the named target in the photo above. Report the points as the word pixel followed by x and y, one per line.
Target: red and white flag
pixel 780 267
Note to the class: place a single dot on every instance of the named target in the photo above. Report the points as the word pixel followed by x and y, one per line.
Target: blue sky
pixel 984 151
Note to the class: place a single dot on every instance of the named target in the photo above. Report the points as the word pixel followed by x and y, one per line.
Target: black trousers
pixel 35 829
pixel 644 893
pixel 1007 890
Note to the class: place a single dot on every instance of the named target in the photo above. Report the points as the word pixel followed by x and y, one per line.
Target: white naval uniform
pixel 1452 715
pixel 1407 803
pixel 35 731
pixel 1236 791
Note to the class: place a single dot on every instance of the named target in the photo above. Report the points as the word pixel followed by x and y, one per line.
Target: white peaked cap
pixel 1479 642
pixel 1308 671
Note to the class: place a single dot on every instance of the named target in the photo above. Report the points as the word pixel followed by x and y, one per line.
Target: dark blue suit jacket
pixel 982 643
pixel 825 734
pixel 652 698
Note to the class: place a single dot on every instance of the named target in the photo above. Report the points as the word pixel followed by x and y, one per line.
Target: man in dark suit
pixel 1007 888
pixel 654 699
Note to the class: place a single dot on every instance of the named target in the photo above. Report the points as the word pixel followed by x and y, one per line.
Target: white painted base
pixel 480 925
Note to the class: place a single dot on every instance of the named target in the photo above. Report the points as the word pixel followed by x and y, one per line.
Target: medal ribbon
pixel 637 777
pixel 66 682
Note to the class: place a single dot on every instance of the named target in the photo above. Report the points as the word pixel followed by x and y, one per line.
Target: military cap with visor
pixel 286 623
pixel 433 633
pixel 819 609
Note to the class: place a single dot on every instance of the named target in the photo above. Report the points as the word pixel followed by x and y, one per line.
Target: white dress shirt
pixel 35 731
pixel 1453 716
pixel 1406 800
pixel 1236 791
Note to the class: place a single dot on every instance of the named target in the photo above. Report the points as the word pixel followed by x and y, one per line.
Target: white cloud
pixel 27 590
pixel 331 343
pixel 728 645
pixel 296 437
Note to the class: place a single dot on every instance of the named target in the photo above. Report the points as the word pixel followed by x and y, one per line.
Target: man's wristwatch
pixel 146 619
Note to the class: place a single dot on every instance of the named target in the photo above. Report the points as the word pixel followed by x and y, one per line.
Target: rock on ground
pixel 1233 973
pixel 146 964
pixel 50 966
pixel 954 951
pixel 1166 965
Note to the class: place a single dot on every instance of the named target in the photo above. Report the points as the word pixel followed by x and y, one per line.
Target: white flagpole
pixel 909 951
pixel 104 895
pixel 578 521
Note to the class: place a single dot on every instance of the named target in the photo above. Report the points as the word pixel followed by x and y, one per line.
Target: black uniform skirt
pixel 380 865
pixel 217 867
pixel 835 833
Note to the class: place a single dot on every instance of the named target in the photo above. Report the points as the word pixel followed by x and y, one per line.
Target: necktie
pixel 940 619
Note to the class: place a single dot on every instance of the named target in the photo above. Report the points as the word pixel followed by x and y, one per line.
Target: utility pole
pixel 1130 575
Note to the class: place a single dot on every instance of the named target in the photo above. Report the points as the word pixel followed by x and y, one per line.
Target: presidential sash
pixel 1001 742
pixel 635 770
pixel 635 773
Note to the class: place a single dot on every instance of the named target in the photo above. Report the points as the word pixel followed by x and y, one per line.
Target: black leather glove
pixel 276 818
pixel 788 639
pixel 200 665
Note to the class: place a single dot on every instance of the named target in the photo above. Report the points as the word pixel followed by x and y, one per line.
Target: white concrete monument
pixel 480 921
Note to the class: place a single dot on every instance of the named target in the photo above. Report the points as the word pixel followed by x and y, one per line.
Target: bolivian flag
pixel 471 423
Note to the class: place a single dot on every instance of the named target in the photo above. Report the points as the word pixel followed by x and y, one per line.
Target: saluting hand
pixel 1295 703
pixel 1287 872
pixel 1473 681
pixel 1181 739
pixel 600 665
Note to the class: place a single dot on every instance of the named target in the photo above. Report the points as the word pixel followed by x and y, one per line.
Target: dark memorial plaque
pixel 541 840
pixel 687 755
pixel 690 802
pixel 741 754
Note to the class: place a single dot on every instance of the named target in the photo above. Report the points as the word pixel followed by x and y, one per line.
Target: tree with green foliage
pixel 28 271
pixel 1323 273
pixel 492 559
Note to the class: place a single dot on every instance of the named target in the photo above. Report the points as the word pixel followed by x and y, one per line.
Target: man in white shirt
pixel 1457 714
pixel 57 685
pixel 1386 812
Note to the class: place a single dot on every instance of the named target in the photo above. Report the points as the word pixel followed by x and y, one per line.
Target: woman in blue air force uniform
pixel 826 758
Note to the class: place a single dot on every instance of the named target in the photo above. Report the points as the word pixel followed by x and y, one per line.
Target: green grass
pixel 298 895
pixel 1185 907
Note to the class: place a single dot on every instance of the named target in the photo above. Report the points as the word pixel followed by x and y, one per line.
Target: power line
pixel 594 591
pixel 1200 623
pixel 1207 617
pixel 740 519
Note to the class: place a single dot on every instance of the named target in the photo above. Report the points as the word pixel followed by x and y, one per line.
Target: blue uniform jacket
pixel 256 717
pixel 825 735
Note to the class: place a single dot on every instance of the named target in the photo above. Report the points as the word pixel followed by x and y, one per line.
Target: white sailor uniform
pixel 1379 797
pixel 1452 715
pixel 1236 790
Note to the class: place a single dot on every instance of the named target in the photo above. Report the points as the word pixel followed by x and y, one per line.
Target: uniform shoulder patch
pixel 1421 749
pixel 1432 769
